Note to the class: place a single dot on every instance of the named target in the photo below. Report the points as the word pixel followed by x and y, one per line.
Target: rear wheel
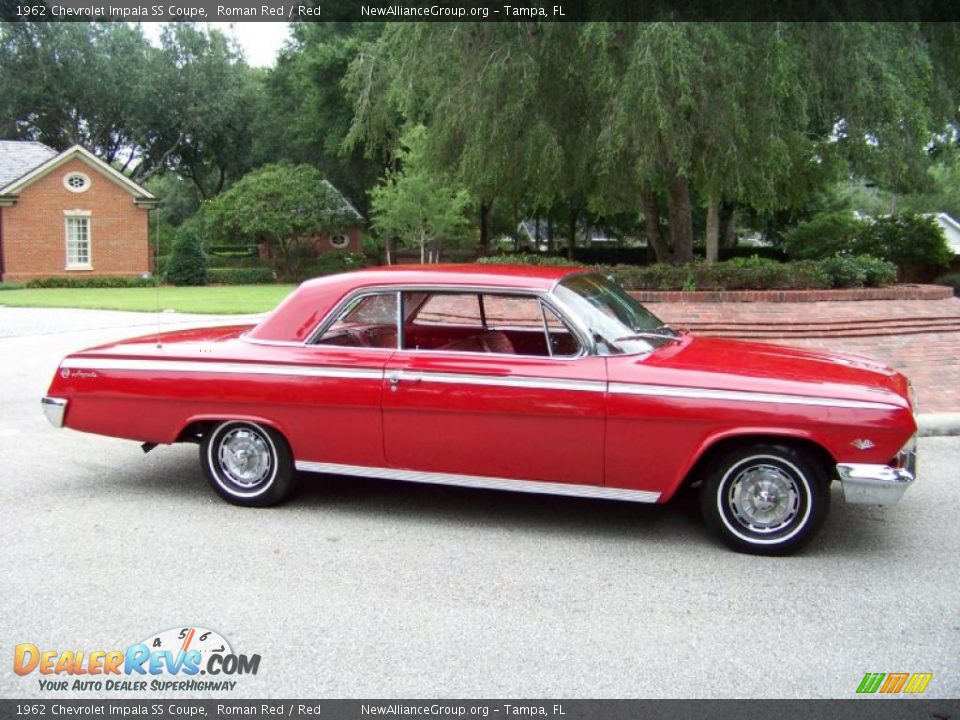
pixel 248 464
pixel 765 499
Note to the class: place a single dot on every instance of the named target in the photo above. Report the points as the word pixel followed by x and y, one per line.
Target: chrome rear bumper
pixel 54 409
pixel 873 484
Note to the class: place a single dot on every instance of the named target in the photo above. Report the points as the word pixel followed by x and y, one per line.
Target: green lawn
pixel 232 299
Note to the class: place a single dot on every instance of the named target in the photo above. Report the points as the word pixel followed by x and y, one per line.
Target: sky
pixel 260 40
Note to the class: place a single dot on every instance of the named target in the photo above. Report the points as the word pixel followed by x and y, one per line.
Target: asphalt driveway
pixel 364 588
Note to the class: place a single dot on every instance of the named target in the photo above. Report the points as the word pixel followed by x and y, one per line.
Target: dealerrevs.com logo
pixel 179 659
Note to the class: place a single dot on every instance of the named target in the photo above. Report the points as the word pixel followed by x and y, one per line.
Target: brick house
pixel 69 214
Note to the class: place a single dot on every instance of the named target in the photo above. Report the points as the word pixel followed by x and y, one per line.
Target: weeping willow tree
pixel 657 117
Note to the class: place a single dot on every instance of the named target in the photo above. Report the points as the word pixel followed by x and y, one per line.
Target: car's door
pixel 493 384
pixel 338 418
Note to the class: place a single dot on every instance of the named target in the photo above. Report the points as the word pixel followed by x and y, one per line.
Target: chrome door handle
pixel 394 379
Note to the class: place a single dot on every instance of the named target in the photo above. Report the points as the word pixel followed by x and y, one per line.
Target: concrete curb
pixel 939 424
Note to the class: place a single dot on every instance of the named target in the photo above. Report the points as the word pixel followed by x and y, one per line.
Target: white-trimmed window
pixel 77 225
pixel 76 182
pixel 339 241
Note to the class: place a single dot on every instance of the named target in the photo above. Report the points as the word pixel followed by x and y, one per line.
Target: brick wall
pixel 34 229
pixel 354 244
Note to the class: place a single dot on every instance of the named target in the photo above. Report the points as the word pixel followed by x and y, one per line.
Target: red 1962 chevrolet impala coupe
pixel 544 380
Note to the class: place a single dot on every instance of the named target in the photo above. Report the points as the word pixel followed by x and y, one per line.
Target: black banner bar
pixel 478 10
pixel 389 709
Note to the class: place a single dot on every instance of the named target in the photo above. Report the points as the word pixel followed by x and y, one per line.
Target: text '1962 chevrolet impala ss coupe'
pixel 535 379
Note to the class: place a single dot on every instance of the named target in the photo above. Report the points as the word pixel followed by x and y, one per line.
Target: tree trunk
pixel 728 219
pixel 681 221
pixel 391 248
pixel 572 232
pixel 713 231
pixel 485 206
pixel 651 221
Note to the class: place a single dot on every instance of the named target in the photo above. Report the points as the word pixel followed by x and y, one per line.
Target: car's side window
pixel 368 321
pixel 484 322
pixel 561 342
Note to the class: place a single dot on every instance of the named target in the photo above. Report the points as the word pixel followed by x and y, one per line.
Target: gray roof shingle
pixel 18 157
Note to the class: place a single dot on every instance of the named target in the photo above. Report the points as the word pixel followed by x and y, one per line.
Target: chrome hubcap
pixel 244 457
pixel 764 498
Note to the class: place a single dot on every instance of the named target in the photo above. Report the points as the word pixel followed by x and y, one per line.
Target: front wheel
pixel 248 464
pixel 765 499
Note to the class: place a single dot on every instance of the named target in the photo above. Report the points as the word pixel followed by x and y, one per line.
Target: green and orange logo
pixel 894 683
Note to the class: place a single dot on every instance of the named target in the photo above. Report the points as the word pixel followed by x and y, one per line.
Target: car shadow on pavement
pixel 849 531
pixel 676 521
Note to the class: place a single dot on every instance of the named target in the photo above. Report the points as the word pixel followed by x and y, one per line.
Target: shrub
pixel 844 271
pixel 10 286
pixel 763 251
pixel 905 239
pixel 91 282
pixel 648 277
pixel 824 236
pixel 235 261
pixel 529 259
pixel 950 280
pixel 188 263
pixel 330 263
pixel 879 273
pixel 240 276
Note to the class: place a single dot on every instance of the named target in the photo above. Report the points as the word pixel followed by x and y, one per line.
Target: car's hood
pixel 759 367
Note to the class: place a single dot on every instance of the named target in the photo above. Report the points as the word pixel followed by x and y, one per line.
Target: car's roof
pixel 296 317
pixel 540 277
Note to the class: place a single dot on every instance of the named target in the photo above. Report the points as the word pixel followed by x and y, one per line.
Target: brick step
pixel 827 324
pixel 785 333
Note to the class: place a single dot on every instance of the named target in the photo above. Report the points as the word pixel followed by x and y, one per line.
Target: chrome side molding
pixel 484 483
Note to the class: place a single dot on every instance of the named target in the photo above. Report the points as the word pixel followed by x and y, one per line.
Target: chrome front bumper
pixel 54 409
pixel 873 484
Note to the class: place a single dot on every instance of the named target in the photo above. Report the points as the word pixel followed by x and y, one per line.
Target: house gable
pixel 141 195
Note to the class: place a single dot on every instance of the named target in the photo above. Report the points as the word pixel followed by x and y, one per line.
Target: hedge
pixel 91 282
pixel 527 259
pixel 757 274
pixel 950 280
pixel 240 276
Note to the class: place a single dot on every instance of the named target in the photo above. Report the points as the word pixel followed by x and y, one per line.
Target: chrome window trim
pixel 483 482
pixel 544 296
pixel 546 328
pixel 348 301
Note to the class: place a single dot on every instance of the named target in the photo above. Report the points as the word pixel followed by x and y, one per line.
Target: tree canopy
pixel 679 128
pixel 282 205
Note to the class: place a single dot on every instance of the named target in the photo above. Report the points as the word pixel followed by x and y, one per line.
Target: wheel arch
pixel 722 443
pixel 194 428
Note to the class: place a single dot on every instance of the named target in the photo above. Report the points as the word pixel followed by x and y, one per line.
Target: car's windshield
pixel 617 322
